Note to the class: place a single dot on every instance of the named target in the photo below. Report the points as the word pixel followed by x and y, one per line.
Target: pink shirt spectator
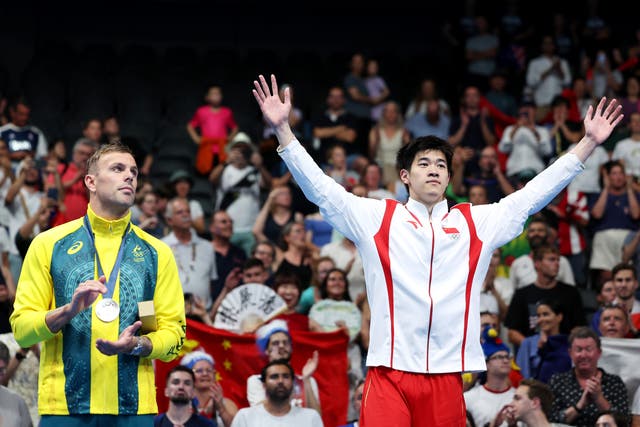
pixel 213 123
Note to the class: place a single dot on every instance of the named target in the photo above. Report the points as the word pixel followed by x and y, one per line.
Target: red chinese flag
pixel 237 358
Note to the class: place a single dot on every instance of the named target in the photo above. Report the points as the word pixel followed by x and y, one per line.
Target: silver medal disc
pixel 107 310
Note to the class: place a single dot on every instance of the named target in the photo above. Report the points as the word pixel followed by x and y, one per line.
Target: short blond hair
pixel 114 146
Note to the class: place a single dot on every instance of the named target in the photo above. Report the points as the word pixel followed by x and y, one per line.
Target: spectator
pixel 583 98
pixel 217 126
pixel 92 130
pixel 195 256
pixel 359 100
pixel 625 283
pixel 372 180
pixel 345 255
pixel 37 223
pixel 615 213
pixel 563 131
pixel 588 182
pixel 288 286
pixel 274 342
pixel 481 50
pixel 585 390
pixel 488 174
pixel 238 182
pixel 181 182
pixel 485 400
pixel 148 219
pixel 523 271
pixel 24 199
pixel 336 126
pixel 428 91
pixel 228 255
pixel 522 317
pixel 572 216
pixel 628 151
pixel 141 149
pixel 611 419
pixel 385 139
pixel 278 383
pixel 338 169
pixel 311 294
pixel 75 195
pixel 180 391
pixel 545 353
pixel 13 409
pixel 472 128
pixel 631 100
pixel 377 89
pixel 532 403
pixel 547 75
pixel 22 139
pixel 607 293
pixel 496 290
pixel 603 78
pixel 527 144
pixel 208 399
pixel 297 255
pixel 499 96
pixel 430 122
pixel 195 309
pixel 276 213
pixel 265 251
pixel 614 322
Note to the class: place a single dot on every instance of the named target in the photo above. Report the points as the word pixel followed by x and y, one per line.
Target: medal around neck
pixel 107 310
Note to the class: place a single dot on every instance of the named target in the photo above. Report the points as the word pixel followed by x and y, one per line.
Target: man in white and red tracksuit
pixel 424 263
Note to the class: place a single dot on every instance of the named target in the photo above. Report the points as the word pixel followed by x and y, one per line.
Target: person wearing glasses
pixel 209 400
pixel 486 399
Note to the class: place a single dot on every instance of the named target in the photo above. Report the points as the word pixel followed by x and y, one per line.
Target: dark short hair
pixel 408 152
pixel 283 362
pixel 286 278
pixel 538 389
pixel 623 266
pixel 252 262
pixel 553 304
pixel 180 368
pixel 582 332
pixel 619 418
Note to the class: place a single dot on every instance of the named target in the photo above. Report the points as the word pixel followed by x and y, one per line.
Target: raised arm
pixel 275 111
pixel 598 126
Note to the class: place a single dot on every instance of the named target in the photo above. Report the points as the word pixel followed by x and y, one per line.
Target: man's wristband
pixel 20 356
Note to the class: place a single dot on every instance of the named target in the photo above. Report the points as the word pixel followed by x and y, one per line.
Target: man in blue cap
pixel 484 401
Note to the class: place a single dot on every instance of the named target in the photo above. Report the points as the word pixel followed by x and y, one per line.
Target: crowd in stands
pixel 560 304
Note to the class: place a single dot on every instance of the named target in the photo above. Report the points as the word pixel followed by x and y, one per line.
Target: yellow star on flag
pixel 226 344
pixel 218 377
pixel 227 364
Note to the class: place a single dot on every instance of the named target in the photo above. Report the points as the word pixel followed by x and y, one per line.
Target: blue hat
pixel 194 357
pixel 264 333
pixel 491 342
